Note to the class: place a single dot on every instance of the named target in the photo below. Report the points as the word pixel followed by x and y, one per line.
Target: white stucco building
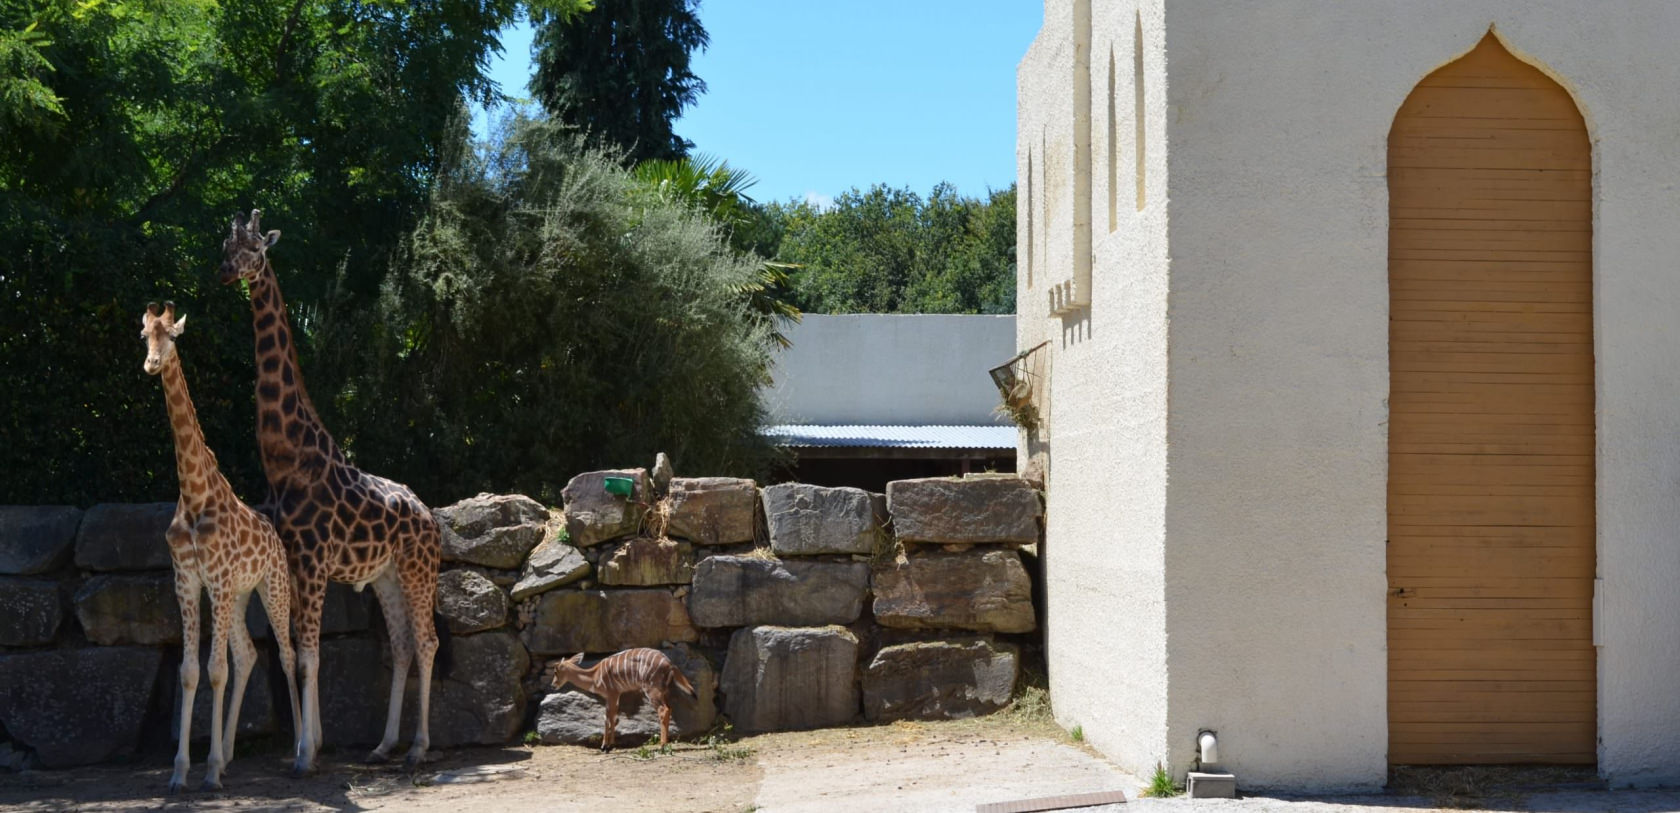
pixel 1360 414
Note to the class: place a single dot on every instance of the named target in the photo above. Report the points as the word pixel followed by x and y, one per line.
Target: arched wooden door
pixel 1490 463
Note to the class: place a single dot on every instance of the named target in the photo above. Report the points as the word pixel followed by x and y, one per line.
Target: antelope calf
pixel 634 670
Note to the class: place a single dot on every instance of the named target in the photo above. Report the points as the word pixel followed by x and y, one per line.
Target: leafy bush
pixel 546 318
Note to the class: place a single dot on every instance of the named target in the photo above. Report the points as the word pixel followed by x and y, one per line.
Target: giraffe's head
pixel 158 329
pixel 245 251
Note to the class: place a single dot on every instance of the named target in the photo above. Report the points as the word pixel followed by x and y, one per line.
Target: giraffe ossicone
pixel 219 545
pixel 338 522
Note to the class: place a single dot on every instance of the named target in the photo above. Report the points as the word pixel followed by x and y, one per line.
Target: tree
pixel 130 132
pixel 888 250
pixel 547 316
pixel 621 73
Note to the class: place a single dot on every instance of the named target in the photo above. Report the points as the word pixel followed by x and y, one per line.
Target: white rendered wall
pixel 1268 554
pixel 889 369
pixel 1104 558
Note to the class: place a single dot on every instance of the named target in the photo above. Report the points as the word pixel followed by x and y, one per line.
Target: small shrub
pixel 532 738
pixel 1161 784
pixel 1077 734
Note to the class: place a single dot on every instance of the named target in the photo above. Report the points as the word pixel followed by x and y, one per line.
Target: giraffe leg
pixel 186 594
pixel 244 657
pixel 221 612
pixel 391 603
pixel 275 591
pixel 311 591
pixel 419 586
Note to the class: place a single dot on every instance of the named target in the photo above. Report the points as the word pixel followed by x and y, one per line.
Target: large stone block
pixel 477 697
pixel 124 536
pixel 790 678
pixel 983 589
pixel 256 715
pixel 77 706
pixel 475 515
pixel 30 612
pixel 712 510
pixel 469 602
pixel 806 520
pixel 553 564
pixel 36 539
pixel 355 684
pixel 970 510
pixel 593 515
pixel 569 621
pixel 572 717
pixel 734 591
pixel 135 608
pixel 493 530
pixel 647 562
pixel 939 680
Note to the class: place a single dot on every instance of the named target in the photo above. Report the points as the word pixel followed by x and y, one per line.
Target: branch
pixel 286 36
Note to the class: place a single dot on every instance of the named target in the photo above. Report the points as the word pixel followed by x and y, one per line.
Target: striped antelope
pixel 634 670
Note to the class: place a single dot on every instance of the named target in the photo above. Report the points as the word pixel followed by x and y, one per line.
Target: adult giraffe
pixel 339 523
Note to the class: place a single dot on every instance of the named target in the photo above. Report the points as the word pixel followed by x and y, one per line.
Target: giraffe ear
pixel 179 327
pixel 273 237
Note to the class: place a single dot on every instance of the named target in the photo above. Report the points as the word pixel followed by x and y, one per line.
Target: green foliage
pixel 130 132
pixel 620 72
pixel 1077 734
pixel 888 250
pixel 1161 784
pixel 547 317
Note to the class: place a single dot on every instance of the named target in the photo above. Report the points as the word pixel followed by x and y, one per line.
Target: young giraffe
pixel 220 544
pixel 634 670
pixel 339 523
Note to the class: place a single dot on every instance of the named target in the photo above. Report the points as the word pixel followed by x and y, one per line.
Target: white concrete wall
pixel 1269 551
pixel 876 368
pixel 1105 625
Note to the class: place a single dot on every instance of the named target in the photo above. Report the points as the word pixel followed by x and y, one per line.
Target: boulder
pixel 31 610
pixel 124 536
pixel 646 562
pixel 256 714
pixel 790 678
pixel 477 697
pixel 77 706
pixel 474 516
pixel 572 717
pixel 131 609
pixel 662 474
pixel 593 515
pixel 948 510
pixel 806 520
pixel 503 548
pixel 712 510
pixel 552 564
pixel 469 602
pixel 939 680
pixel 569 621
pixel 735 591
pixel 36 539
pixel 984 589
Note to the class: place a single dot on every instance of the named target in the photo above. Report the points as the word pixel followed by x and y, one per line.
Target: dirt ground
pixel 946 766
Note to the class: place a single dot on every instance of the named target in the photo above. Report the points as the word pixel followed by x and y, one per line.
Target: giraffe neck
pixel 296 448
pixel 195 464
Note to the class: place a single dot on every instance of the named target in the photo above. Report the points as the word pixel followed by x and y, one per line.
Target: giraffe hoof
pixel 374 757
pixel 300 771
pixel 210 784
pixel 411 762
pixel 176 786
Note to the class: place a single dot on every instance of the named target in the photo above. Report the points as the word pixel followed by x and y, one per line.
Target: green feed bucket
pixel 622 486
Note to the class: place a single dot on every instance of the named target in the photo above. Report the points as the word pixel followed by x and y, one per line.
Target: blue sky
pixel 814 98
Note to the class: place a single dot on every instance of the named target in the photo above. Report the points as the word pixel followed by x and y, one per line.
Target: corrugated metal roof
pixel 894 437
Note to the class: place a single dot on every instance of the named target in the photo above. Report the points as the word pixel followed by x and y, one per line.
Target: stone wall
pixel 794 606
